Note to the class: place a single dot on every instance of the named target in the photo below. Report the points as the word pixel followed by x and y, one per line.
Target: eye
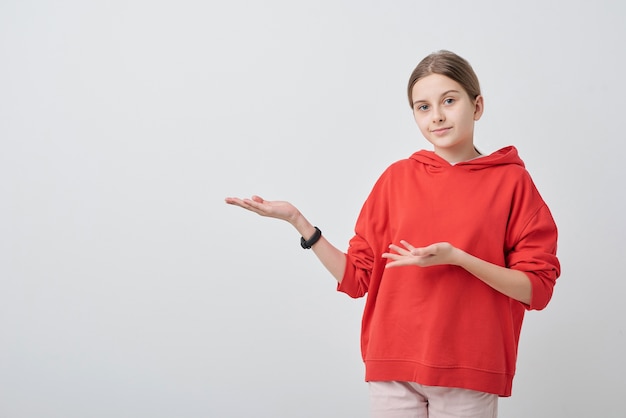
pixel 422 108
pixel 448 101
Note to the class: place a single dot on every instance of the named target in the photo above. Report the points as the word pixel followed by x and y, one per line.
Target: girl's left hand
pixel 432 255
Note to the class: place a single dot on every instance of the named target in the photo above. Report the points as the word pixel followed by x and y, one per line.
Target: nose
pixel 438 115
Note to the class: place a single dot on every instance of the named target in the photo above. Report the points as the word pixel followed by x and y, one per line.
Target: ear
pixel 479 107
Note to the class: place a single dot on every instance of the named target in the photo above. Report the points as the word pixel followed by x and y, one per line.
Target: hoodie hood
pixel 504 156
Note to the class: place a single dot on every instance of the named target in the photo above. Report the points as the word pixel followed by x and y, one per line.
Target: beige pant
pixel 412 400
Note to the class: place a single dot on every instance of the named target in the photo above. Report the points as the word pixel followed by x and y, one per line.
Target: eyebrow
pixel 445 93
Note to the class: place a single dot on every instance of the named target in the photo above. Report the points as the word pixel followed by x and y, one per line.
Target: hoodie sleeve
pixel 359 265
pixel 534 245
pixel 363 261
pixel 360 260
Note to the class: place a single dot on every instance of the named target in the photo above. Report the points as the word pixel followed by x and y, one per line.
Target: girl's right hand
pixel 271 209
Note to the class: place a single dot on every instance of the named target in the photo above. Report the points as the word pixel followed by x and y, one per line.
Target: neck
pixel 457 156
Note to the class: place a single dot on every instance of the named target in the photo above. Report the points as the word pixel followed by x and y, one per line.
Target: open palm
pixel 271 209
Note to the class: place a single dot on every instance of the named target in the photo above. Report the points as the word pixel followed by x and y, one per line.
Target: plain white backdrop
pixel 129 289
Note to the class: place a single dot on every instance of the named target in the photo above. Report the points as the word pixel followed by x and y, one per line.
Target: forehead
pixel 433 86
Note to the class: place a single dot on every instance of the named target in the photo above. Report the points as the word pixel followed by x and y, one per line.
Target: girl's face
pixel 445 115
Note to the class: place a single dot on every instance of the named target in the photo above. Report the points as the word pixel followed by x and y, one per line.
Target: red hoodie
pixel 440 325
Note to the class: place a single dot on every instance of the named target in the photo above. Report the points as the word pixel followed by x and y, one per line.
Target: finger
pixel 397 263
pixel 398 249
pixel 235 201
pixel 391 256
pixel 246 204
pixel 425 251
pixel 407 245
pixel 252 203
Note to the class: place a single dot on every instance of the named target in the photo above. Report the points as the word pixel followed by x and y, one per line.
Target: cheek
pixel 422 123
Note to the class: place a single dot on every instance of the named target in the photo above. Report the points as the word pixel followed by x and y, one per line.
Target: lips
pixel 440 131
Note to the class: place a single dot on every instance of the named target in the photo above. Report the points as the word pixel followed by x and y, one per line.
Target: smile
pixel 440 131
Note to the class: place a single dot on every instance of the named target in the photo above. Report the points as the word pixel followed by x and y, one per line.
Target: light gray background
pixel 129 289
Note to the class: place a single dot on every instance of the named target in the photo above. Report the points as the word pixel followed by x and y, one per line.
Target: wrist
pixel 302 225
pixel 459 257
pixel 307 243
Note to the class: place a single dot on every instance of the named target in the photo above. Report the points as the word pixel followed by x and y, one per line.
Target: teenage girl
pixel 451 248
